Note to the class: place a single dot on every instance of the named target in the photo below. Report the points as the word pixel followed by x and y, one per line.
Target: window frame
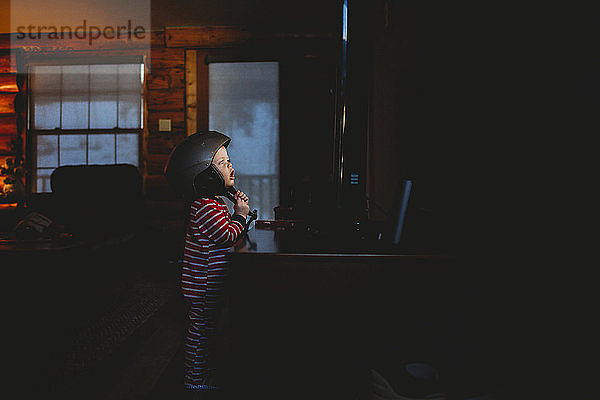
pixel 32 134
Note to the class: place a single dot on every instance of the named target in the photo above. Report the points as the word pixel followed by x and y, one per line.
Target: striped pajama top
pixel 210 234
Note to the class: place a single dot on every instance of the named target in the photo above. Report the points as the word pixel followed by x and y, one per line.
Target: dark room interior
pixel 406 160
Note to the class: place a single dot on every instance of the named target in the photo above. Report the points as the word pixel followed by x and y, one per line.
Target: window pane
pixel 103 112
pixel 130 95
pixel 46 111
pixel 74 113
pixel 244 104
pixel 101 149
pixel 75 79
pixel 127 149
pixel 72 149
pixel 130 78
pixel 45 86
pixel 46 79
pixel 103 96
pixel 103 78
pixel 75 91
pixel 42 180
pixel 129 111
pixel 47 151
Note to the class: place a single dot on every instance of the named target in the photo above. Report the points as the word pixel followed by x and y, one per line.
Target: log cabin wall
pixel 174 59
pixel 11 106
pixel 165 98
pixel 173 93
pixel 177 89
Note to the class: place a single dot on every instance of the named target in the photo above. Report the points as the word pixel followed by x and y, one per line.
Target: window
pixel 84 114
pixel 244 105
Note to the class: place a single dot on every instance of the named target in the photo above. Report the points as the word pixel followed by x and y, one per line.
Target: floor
pixel 133 350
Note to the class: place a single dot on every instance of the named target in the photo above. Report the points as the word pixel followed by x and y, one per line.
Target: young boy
pixel 199 168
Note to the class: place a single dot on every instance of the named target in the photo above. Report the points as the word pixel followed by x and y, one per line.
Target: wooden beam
pixel 7 103
pixel 4 41
pixel 191 91
pixel 166 100
pixel 8 63
pixel 157 39
pixel 173 78
pixel 205 36
pixel 27 55
pixel 162 58
pixel 163 143
pixel 155 164
pixel 10 124
pixel 157 81
pixel 202 92
pixel 8 83
pixel 6 144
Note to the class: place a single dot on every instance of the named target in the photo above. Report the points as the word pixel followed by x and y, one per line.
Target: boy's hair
pixel 189 169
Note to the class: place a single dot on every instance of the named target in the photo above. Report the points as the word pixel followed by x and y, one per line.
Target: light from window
pixel 84 114
pixel 244 105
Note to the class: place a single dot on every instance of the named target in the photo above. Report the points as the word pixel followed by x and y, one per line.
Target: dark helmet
pixel 189 169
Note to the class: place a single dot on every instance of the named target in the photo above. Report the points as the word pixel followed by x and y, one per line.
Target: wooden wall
pixel 165 97
pixel 171 94
pixel 11 105
pixel 168 95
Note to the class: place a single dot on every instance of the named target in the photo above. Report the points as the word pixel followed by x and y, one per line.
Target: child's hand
pixel 241 206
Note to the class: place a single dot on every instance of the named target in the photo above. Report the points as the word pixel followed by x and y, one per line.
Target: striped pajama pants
pixel 199 351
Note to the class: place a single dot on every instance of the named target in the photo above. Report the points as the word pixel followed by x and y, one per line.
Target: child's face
pixel 221 161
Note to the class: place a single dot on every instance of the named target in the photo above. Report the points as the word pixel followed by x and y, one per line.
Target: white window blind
pixel 84 114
